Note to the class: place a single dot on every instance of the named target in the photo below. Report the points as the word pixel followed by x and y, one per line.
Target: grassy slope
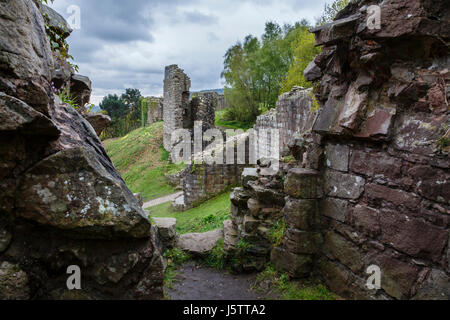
pixel 227 124
pixel 206 217
pixel 142 161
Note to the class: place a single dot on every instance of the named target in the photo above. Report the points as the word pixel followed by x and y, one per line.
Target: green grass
pixel 288 289
pixel 175 258
pixel 231 124
pixel 142 161
pixel 206 217
pixel 277 232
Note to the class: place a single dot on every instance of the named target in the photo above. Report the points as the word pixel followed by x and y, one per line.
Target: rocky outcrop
pixel 64 203
pixel 98 121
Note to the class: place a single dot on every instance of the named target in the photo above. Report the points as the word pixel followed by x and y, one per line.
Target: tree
pixel 330 11
pixel 254 70
pixel 114 106
pixel 132 99
pixel 304 51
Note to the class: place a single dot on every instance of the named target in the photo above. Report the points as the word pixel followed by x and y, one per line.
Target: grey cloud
pixel 200 18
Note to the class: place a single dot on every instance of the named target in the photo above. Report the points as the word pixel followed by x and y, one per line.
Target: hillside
pixel 142 161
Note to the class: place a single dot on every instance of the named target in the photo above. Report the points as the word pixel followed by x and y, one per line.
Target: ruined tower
pixel 176 102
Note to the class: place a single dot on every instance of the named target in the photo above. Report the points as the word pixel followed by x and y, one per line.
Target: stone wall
pixel 221 102
pixel 370 185
pixel 155 110
pixel 386 167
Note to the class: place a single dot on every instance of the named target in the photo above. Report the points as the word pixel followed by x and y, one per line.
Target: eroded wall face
pixel 378 153
pixel 385 169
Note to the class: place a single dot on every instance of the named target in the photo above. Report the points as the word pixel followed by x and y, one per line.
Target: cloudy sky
pixel 127 44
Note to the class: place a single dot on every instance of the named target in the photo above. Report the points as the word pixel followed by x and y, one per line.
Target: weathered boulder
pixel 199 244
pixel 72 191
pixel 167 230
pixel 26 66
pixel 55 20
pixel 62 202
pixel 16 115
pixel 98 121
pixel 80 89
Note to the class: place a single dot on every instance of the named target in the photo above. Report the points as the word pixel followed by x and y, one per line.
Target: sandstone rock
pixel 344 186
pixel 302 242
pixel 376 165
pixel 354 104
pixel 250 224
pixel 331 33
pixel 399 198
pixel 254 206
pixel 167 230
pixel 239 197
pixel 312 72
pixel 72 191
pixel 249 174
pixel 13 282
pixel 301 214
pixel 334 208
pixel 433 184
pixel 302 183
pixel 337 157
pixel 55 21
pixel 397 277
pixel 26 58
pixel 81 88
pixel 231 237
pixel 366 219
pixel 297 266
pixel 337 247
pixel 98 121
pixel 267 195
pixel 83 214
pixel 413 236
pixel 435 287
pixel 199 244
pixel 15 115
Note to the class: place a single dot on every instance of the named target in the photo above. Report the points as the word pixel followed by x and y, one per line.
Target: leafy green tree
pixel 114 106
pixel 304 51
pixel 132 99
pixel 331 10
pixel 255 69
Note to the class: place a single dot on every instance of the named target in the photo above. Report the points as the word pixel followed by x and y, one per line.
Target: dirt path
pixel 161 200
pixel 200 283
